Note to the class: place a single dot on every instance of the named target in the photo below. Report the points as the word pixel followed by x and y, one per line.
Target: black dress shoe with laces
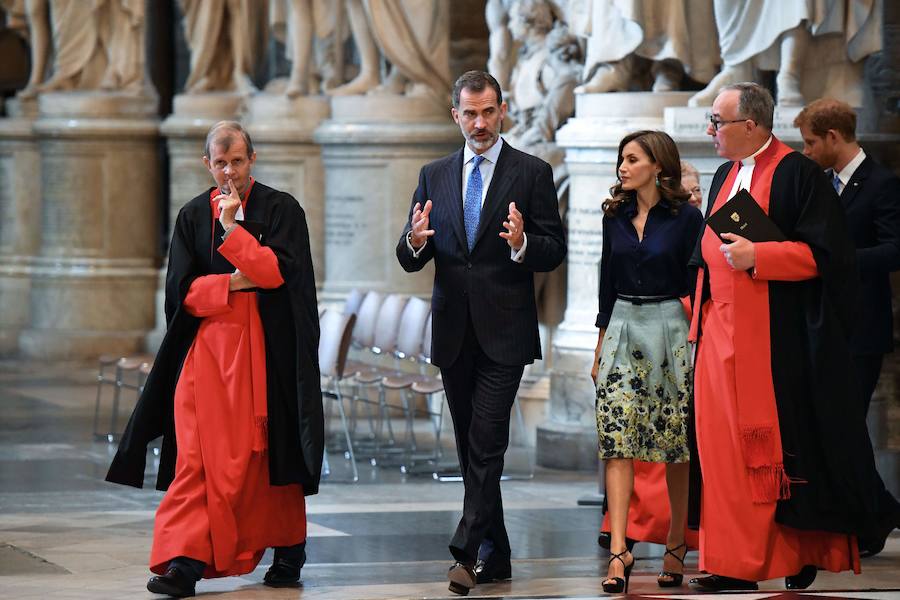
pixel 801 580
pixel 173 583
pixel 462 578
pixel 495 568
pixel 720 583
pixel 283 573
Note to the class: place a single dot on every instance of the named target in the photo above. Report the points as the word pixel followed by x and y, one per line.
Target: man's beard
pixel 479 144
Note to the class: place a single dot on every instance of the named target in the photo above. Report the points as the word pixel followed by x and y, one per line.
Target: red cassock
pixel 741 483
pixel 220 508
pixel 648 511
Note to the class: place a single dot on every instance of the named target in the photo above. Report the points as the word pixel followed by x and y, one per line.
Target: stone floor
pixel 64 533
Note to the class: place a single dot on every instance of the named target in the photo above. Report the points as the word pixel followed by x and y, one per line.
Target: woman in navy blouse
pixel 642 366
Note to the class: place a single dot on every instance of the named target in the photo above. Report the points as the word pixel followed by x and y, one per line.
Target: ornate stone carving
pixel 413 36
pixel 312 32
pixel 220 37
pixel 624 37
pixel 808 44
pixel 92 45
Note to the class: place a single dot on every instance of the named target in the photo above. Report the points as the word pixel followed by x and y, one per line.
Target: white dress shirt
pixel 486 168
pixel 848 171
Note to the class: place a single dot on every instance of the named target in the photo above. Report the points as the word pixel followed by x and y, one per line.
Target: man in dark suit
pixel 487 214
pixel 870 194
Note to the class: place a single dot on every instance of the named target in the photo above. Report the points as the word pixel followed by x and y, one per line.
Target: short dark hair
pixel 828 113
pixel 475 81
pixel 755 103
pixel 217 136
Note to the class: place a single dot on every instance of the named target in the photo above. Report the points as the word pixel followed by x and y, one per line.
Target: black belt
pixel 638 300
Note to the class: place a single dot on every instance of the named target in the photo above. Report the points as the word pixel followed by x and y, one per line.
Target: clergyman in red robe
pixel 235 389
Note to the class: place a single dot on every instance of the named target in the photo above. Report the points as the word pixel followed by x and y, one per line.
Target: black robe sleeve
pixel 153 414
pixel 296 421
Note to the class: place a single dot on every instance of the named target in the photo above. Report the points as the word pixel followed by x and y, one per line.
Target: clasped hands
pixel 739 253
pixel 420 232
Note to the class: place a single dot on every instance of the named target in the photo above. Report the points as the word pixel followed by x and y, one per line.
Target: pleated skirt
pixel 644 383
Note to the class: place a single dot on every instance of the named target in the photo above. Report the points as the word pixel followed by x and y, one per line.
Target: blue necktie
pixel 836 182
pixel 472 205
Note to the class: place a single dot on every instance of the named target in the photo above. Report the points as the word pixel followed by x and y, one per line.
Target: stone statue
pixel 37 16
pixel 541 95
pixel 312 33
pixel 414 35
pixel 790 38
pixel 502 47
pixel 96 44
pixel 672 34
pixel 125 70
pixel 368 77
pixel 219 35
pixel 542 76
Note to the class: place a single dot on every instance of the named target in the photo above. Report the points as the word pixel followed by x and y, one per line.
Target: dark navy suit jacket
pixel 485 285
pixel 871 201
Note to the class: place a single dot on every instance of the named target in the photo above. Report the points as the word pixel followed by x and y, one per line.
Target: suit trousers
pixel 868 370
pixel 480 394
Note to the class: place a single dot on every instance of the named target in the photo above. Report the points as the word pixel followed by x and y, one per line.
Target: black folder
pixel 741 215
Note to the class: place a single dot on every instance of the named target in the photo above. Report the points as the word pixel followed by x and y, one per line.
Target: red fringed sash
pixel 260 404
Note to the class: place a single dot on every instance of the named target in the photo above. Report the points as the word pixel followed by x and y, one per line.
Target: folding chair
pixel 334 343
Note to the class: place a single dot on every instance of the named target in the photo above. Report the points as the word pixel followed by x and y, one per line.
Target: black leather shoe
pixel 173 583
pixel 720 583
pixel 283 573
pixel 462 578
pixel 801 580
pixel 495 568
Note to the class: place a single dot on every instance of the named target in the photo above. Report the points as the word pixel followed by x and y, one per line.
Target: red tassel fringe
pixel 261 437
pixel 769 484
pixel 757 446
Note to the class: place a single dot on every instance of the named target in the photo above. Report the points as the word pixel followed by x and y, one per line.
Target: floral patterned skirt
pixel 644 383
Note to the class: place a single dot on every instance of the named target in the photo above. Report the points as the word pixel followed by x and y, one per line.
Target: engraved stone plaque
pixel 73 195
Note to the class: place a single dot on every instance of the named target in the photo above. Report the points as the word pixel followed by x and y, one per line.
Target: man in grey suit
pixel 488 216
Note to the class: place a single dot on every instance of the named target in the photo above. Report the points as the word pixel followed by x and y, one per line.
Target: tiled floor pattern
pixel 64 533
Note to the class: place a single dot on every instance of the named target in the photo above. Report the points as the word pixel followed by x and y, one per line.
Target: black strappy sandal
pixel 619 585
pixel 674 579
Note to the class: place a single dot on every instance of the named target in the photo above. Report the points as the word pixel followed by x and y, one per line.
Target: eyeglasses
pixel 716 123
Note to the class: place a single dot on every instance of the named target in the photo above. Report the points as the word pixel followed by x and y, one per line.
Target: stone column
pixel 94 276
pixel 372 150
pixel 20 227
pixel 568 439
pixel 288 159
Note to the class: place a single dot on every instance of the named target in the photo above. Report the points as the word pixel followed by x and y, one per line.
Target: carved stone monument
pixel 374 144
pixel 372 150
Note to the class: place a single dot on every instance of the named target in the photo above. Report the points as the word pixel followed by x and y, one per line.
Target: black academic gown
pixel 827 451
pixel 289 316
